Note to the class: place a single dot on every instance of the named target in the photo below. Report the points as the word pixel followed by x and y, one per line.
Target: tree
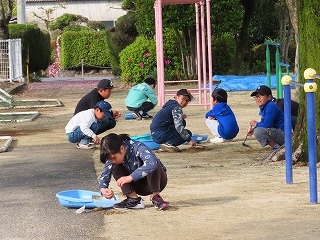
pixel 46 14
pixel 5 16
pixel 292 8
pixel 309 55
pixel 286 29
pixel 243 40
pixel 303 17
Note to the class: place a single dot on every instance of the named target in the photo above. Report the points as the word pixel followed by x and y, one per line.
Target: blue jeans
pixel 145 107
pixel 99 127
pixel 170 136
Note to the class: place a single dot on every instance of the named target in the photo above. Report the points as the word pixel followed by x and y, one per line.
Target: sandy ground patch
pixel 220 191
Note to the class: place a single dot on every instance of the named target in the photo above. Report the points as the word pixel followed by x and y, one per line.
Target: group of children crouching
pixel 132 164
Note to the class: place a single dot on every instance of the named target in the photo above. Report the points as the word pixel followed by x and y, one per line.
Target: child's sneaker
pixel 146 116
pixel 159 203
pixel 166 147
pixel 275 147
pixel 85 146
pixel 132 203
pixel 137 115
pixel 217 140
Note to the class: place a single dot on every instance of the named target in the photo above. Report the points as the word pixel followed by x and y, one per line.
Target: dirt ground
pixel 216 191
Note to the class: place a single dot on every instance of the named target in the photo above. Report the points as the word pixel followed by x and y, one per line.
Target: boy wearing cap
pixel 101 92
pixel 168 125
pixel 83 127
pixel 270 129
pixel 221 120
pixel 138 95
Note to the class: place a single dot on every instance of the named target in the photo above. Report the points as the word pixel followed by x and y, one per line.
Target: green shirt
pixel 139 94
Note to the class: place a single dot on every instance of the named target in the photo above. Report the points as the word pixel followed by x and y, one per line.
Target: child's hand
pixel 116 114
pixel 250 133
pixel 184 116
pixel 107 193
pixel 192 143
pixel 123 180
pixel 211 118
pixel 253 123
pixel 96 140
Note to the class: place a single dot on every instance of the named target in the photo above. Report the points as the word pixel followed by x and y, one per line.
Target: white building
pixel 106 11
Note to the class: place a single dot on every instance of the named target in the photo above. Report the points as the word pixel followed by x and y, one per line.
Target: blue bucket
pixel 80 198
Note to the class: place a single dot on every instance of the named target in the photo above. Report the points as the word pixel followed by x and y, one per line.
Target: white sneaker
pixel 217 140
pixel 85 146
pixel 169 148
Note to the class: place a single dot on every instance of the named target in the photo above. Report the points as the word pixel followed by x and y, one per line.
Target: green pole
pixel 268 66
pixel 278 75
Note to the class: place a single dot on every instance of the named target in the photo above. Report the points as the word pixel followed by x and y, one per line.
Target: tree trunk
pixel 5 16
pixel 292 7
pixel 249 7
pixel 309 56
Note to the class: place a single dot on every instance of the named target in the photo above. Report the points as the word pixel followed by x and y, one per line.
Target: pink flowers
pixel 129 60
pixel 147 54
pixel 55 67
pixel 167 62
pixel 141 64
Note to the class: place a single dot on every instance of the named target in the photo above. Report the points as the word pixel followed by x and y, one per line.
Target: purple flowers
pixel 167 62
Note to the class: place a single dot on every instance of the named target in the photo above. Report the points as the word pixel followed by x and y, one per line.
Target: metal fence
pixel 10 60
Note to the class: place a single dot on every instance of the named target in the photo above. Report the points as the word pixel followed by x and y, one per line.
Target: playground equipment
pixel 310 87
pixel 203 57
pixel 268 62
pixel 7 101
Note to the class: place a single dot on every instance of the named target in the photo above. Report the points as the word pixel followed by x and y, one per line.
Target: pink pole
pixel 209 53
pixel 198 49
pixel 159 47
pixel 203 37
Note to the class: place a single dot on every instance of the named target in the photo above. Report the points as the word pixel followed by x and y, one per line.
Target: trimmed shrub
pixel 66 20
pixel 89 46
pixel 138 61
pixel 35 46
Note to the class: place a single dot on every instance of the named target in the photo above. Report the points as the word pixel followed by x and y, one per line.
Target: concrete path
pixel 30 177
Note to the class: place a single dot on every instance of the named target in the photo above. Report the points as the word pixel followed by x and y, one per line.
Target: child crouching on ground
pixel 270 129
pixel 85 125
pixel 135 168
pixel 168 125
pixel 220 119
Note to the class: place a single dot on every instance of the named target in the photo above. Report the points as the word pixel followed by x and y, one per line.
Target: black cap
pixel 185 92
pixel 263 90
pixel 105 83
pixel 105 107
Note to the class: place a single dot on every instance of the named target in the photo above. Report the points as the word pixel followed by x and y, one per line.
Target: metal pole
pixel 268 66
pixel 286 81
pixel 310 87
pixel 82 69
pixel 278 76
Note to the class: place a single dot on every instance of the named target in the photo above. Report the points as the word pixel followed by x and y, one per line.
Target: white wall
pixel 93 10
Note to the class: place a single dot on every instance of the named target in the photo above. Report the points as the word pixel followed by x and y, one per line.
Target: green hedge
pixel 138 61
pixel 35 46
pixel 90 46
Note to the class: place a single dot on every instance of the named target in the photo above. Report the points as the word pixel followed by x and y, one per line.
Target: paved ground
pixel 39 164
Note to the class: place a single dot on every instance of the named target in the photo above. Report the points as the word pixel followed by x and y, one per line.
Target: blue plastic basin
pixel 199 137
pixel 80 198
pixel 147 140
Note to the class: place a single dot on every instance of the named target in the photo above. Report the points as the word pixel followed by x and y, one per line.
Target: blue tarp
pixel 242 83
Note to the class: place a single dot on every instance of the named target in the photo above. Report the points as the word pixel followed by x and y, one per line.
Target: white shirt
pixel 84 120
